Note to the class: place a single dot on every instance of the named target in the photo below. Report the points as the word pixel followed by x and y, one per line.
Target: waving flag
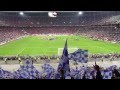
pixel 28 66
pixel 24 74
pixel 107 74
pixel 48 71
pixel 64 62
pixel 8 74
pixel 47 66
pixel 5 74
pixel 16 74
pixel 79 55
pixel 1 73
pixel 75 73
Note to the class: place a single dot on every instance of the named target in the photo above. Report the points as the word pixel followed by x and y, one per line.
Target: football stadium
pixel 59 45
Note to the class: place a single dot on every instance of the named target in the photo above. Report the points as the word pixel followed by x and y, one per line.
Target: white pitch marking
pixel 21 51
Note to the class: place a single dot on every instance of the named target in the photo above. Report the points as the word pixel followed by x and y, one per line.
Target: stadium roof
pixel 63 17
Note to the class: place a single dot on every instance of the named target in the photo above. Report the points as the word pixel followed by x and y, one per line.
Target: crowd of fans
pixel 95 32
pixel 28 71
pixel 11 33
pixel 111 57
pixel 52 30
pixel 7 34
pixel 105 33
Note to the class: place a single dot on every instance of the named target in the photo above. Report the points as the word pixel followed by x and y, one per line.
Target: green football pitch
pixel 38 45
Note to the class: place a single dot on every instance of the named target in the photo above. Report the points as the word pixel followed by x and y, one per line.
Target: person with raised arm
pixel 98 73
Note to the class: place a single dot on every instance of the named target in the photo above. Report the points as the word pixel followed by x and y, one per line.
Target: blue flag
pixel 64 62
pixel 79 55
pixel 48 70
pixel 24 74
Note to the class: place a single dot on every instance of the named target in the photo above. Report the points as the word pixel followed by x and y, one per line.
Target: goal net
pixel 70 50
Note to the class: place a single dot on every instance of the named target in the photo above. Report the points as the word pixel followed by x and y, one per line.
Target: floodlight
pixel 21 13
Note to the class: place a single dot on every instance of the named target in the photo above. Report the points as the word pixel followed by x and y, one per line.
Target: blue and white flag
pixel 5 74
pixel 30 68
pixel 48 66
pixel 75 73
pixel 64 62
pixel 1 73
pixel 107 74
pixel 79 56
pixel 16 74
pixel 24 74
pixel 48 70
pixel 8 75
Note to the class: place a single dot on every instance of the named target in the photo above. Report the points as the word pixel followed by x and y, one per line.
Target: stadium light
pixel 80 13
pixel 21 13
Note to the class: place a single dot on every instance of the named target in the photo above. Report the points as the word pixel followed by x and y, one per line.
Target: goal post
pixel 70 50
